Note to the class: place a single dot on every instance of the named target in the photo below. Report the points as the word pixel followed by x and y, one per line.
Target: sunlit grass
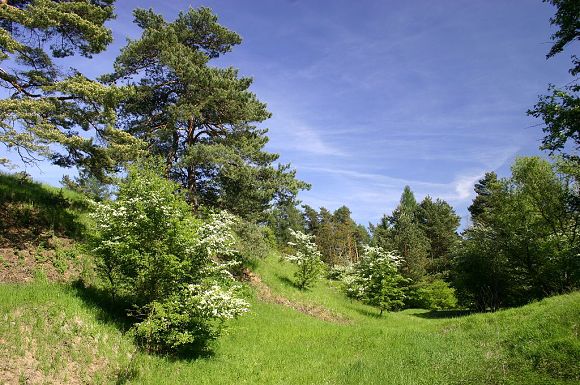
pixel 274 344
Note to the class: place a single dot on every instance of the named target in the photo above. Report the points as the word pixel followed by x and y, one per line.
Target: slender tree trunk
pixel 172 153
pixel 191 177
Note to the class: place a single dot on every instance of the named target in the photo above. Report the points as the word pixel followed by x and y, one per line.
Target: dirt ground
pixel 56 259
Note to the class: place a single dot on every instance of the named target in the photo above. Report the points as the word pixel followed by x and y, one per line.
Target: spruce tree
pixel 408 238
pixel 439 223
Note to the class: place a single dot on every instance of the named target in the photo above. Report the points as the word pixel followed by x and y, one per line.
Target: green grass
pixel 273 344
pixel 49 335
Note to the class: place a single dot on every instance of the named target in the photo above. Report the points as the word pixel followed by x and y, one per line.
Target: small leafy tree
pixel 306 256
pixel 376 281
pixel 171 267
pixel 436 295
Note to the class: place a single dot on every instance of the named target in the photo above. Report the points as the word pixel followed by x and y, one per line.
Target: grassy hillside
pixel 64 333
pixel 38 228
pixel 30 210
pixel 57 333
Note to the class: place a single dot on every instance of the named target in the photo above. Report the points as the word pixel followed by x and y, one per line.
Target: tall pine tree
pixel 200 118
pixel 45 106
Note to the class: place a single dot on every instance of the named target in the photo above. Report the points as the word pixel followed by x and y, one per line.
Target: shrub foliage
pixel 170 266
pixel 376 281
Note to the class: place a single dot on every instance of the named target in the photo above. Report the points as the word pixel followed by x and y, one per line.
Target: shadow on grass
pixel 439 314
pixel 287 281
pixel 117 313
pixel 368 313
pixel 109 311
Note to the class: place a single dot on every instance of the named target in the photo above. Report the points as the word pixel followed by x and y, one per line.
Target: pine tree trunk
pixel 171 155
pixel 191 177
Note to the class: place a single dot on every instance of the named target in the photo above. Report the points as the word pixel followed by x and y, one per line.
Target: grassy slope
pixel 55 333
pixel 38 228
pixel 536 344
pixel 29 209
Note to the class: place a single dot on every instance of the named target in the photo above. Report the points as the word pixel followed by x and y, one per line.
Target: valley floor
pixel 58 333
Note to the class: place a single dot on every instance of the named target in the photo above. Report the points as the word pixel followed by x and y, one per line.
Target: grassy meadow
pixel 54 330
pixel 60 333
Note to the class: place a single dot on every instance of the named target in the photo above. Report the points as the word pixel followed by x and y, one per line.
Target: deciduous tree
pixel 560 109
pixel 526 246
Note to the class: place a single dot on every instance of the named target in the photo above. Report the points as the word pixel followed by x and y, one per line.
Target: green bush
pixel 152 252
pixel 254 242
pixel 188 319
pixel 146 240
pixel 436 295
pixel 376 281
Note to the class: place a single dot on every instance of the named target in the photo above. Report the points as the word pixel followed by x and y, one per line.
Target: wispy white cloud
pixel 289 132
pixel 303 138
pixel 376 179
pixel 464 186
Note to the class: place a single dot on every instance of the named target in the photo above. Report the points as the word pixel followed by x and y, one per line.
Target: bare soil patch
pixel 55 258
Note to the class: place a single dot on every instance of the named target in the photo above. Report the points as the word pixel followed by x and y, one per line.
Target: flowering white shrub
pixel 375 280
pixel 338 272
pixel 216 236
pixel 146 240
pixel 171 267
pixel 306 256
pixel 216 302
pixel 189 318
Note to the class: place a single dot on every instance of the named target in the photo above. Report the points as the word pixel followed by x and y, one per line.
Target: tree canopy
pixel 46 106
pixel 201 119
pixel 560 109
pixel 525 244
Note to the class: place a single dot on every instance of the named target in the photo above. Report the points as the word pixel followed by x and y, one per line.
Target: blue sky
pixel 370 96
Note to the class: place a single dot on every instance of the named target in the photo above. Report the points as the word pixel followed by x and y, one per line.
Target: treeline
pixel 422 235
pixel 523 243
